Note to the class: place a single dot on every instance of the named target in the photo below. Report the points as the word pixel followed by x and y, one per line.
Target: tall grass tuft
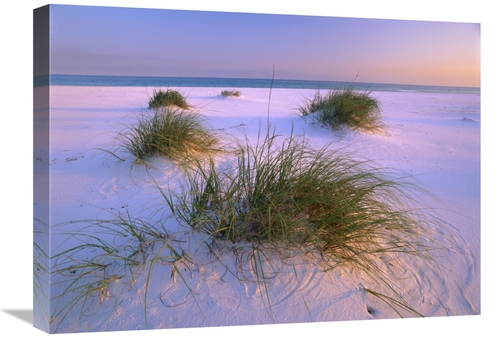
pixel 290 198
pixel 355 109
pixel 170 132
pixel 320 200
pixel 167 98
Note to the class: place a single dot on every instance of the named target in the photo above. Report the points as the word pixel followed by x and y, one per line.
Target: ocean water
pixel 150 81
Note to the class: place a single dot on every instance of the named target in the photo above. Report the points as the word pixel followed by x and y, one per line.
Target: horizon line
pixel 254 78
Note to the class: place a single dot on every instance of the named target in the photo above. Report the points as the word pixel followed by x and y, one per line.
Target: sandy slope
pixel 433 137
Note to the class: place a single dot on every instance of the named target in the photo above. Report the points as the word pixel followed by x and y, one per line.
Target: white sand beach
pixel 432 138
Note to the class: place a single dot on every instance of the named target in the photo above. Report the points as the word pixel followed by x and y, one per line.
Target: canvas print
pixel 202 169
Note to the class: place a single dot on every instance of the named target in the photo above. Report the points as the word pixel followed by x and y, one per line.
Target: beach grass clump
pixel 171 133
pixel 167 98
pixel 280 201
pixel 312 201
pixel 227 93
pixel 355 109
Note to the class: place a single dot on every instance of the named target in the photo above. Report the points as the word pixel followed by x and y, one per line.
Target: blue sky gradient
pixel 129 41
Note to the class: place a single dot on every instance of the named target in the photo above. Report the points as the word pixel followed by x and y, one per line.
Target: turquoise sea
pixel 151 81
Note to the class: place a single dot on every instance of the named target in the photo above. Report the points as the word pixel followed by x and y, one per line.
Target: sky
pixel 158 42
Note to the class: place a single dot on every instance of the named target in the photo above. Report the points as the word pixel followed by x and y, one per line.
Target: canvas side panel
pixel 41 168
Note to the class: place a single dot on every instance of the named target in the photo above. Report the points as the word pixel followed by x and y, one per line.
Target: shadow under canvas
pixel 24 315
